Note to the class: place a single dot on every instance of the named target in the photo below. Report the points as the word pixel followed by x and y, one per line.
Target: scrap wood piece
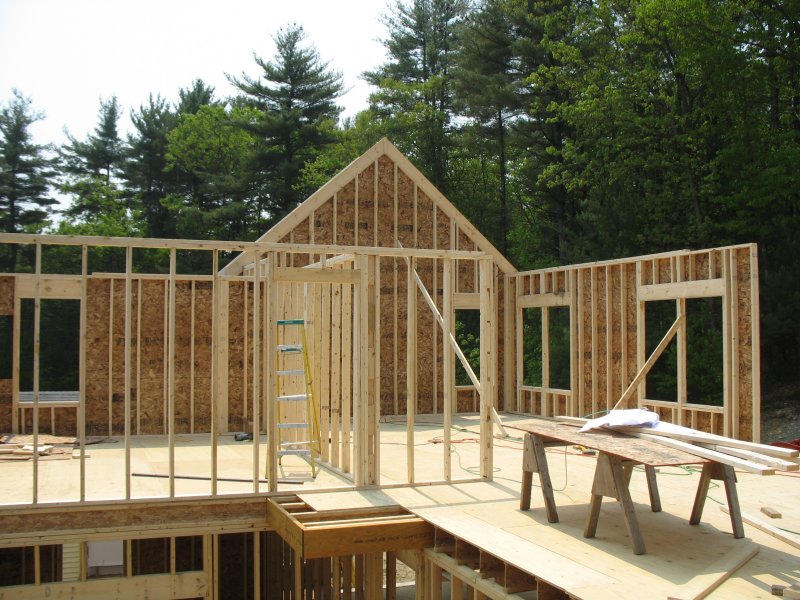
pixel 29 449
pixel 784 536
pixel 674 441
pixel 705 582
pixel 756 457
pixel 691 435
pixel 771 512
pixel 719 457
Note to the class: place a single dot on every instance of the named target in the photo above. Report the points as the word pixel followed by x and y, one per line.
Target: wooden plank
pixel 269 370
pixel 544 299
pixel 151 587
pixel 575 368
pixel 509 343
pixel 128 366
pixel 373 437
pixel 488 351
pixel 710 438
pixel 222 316
pixel 138 356
pixel 192 352
pixel 545 339
pixel 468 301
pixel 785 536
pixel 63 287
pixel 755 343
pixel 361 395
pixel 347 375
pixel 307 275
pixel 486 587
pixel 448 371
pixel 705 453
pixel 37 338
pixel 173 291
pixel 704 288
pixel 594 335
pixel 82 368
pixel 323 386
pixel 256 375
pixel 183 244
pixel 411 368
pixel 702 584
pixel 336 375
pixel 645 369
pixel 15 358
pixel 215 383
pixel 727 351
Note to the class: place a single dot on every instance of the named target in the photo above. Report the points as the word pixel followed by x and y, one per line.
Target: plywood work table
pixel 618 454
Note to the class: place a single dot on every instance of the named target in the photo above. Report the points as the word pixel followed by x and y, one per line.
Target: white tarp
pixel 630 417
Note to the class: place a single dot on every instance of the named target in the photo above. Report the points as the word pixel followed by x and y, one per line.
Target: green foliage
pixel 295 95
pixel 25 175
pixel 414 101
pixel 213 151
pixel 146 179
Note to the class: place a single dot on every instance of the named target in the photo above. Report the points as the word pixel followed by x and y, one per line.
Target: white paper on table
pixel 622 418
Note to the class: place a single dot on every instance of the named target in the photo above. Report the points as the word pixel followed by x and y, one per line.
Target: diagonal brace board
pixel 651 360
pixel 456 348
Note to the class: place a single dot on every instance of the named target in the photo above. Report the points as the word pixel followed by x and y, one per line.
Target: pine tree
pixel 193 98
pixel 414 97
pixel 100 155
pixel 146 181
pixel 25 173
pixel 487 83
pixel 91 167
pixel 295 94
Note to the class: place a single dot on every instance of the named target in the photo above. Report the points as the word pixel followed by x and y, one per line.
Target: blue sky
pixel 67 54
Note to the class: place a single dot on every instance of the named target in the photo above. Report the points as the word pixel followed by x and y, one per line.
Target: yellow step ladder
pixel 293 386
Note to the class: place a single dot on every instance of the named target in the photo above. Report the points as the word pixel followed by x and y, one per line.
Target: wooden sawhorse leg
pixel 534 461
pixel 652 488
pixel 611 478
pixel 726 474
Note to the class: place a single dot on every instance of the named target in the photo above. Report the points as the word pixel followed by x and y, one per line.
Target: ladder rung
pixel 290 347
pixel 292 397
pixel 294 452
pixel 292 372
pixel 292 425
pixel 291 321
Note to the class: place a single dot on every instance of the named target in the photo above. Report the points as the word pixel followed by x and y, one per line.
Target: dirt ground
pixel 780 416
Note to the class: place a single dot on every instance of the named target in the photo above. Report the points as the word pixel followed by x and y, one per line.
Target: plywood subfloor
pixel 485 514
pixel 678 555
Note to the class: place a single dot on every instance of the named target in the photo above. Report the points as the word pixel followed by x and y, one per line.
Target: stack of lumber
pixel 756 458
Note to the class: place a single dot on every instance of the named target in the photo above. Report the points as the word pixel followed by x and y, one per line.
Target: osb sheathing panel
pixel 150 384
pixel 301 235
pixel 61 421
pixel 346 215
pixel 386 224
pixel 203 304
pixel 6 295
pixel 744 357
pixel 97 363
pixel 323 220
pixel 236 354
pixel 366 207
pixel 383 193
pixel 584 277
